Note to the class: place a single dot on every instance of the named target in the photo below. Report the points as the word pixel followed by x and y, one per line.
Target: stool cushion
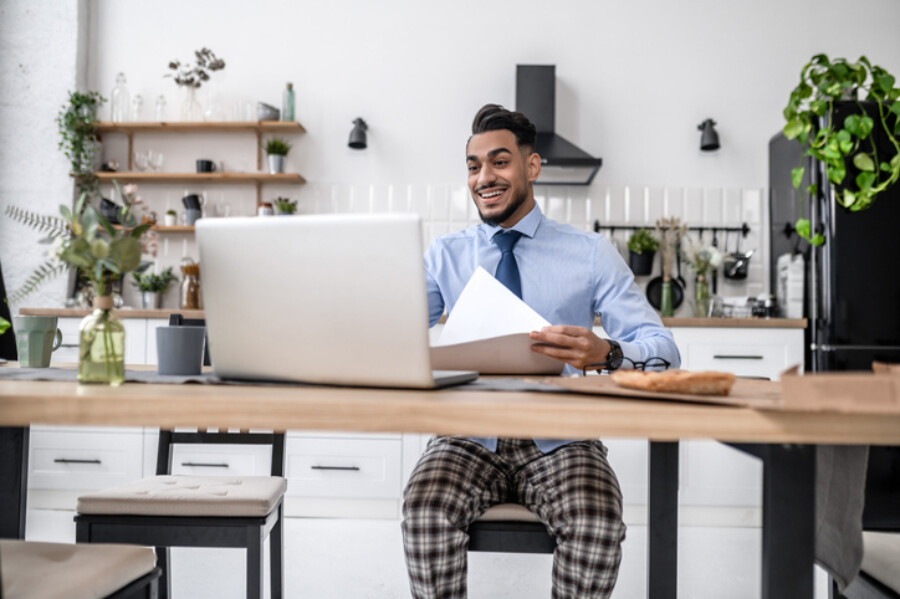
pixel 881 556
pixel 64 570
pixel 176 495
pixel 509 512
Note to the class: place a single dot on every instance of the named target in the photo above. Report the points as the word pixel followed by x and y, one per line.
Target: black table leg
pixel 13 481
pixel 662 521
pixel 789 519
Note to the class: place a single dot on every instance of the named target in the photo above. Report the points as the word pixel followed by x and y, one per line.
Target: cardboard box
pixel 876 392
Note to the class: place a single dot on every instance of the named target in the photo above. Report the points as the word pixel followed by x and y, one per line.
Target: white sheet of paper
pixel 486 309
pixel 488 332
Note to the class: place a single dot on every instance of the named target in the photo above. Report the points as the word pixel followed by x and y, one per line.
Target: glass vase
pixel 701 296
pixel 101 354
pixel 665 302
pixel 191 110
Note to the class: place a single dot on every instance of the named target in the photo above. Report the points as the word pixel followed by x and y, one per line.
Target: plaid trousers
pixel 572 490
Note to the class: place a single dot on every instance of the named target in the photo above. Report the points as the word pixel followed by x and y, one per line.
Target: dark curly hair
pixel 493 117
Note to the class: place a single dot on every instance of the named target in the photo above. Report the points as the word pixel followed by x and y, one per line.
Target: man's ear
pixel 533 166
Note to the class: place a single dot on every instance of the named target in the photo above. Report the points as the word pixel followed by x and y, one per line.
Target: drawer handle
pixel 353 468
pixel 203 465
pixel 735 357
pixel 71 461
pixel 69 345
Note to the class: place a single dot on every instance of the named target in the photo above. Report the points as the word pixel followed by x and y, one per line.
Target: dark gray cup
pixel 179 350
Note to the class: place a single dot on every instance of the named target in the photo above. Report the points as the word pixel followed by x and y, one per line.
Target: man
pixel 567 276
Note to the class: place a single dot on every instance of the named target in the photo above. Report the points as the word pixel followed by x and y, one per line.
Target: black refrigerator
pixel 850 287
pixel 852 282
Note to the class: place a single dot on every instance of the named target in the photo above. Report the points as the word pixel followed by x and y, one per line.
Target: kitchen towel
pixel 840 494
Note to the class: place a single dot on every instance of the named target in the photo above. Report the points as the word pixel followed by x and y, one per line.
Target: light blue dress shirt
pixel 568 276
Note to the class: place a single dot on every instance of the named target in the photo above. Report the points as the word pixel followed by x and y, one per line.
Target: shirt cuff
pixel 632 352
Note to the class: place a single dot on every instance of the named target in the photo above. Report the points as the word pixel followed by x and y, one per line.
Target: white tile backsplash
pixel 447 208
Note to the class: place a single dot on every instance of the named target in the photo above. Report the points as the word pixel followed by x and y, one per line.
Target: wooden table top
pixel 449 411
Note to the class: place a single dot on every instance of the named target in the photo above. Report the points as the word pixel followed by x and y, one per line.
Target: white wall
pixel 634 81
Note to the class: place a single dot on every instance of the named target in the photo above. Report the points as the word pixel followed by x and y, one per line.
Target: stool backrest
pixel 168 439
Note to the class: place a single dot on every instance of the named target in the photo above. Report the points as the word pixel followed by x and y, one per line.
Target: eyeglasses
pixel 654 363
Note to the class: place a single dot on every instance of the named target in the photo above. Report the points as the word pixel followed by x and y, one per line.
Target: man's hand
pixel 577 346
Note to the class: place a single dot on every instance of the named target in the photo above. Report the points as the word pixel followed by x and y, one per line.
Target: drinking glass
pixel 155 159
pixel 140 160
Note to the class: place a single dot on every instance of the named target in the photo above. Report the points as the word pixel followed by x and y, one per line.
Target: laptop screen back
pixel 336 299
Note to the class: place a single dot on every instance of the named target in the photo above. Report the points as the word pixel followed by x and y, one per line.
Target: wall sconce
pixel 358 135
pixel 709 139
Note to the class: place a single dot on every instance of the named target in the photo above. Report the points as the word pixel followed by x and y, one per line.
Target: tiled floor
pixel 363 559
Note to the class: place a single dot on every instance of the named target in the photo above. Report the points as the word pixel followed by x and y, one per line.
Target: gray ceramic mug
pixel 179 350
pixel 36 338
pixel 191 216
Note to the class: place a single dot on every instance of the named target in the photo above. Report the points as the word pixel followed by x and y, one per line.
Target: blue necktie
pixel 508 270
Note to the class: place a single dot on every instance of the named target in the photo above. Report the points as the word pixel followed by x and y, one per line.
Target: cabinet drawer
pixel 135 339
pixel 84 460
pixel 741 359
pixel 354 468
pixel 222 460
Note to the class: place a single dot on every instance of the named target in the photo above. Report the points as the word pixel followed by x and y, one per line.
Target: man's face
pixel 500 177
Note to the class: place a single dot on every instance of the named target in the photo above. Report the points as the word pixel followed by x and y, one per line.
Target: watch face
pixel 615 357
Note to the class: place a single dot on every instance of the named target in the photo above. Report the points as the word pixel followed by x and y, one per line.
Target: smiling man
pixel 567 276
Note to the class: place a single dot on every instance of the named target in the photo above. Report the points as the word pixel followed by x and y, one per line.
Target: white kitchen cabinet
pixel 135 341
pixel 713 474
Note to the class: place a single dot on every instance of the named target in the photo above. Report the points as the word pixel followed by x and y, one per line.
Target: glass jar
pixel 137 109
pixel 287 103
pixel 119 105
pixel 101 354
pixel 161 108
pixel 191 110
pixel 191 295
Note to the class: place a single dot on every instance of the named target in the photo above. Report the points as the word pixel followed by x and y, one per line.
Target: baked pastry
pixel 676 381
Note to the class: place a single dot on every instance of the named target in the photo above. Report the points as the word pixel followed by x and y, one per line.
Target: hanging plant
pixel 77 126
pixel 810 116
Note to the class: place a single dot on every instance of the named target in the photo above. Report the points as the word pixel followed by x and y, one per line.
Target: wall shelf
pixel 260 128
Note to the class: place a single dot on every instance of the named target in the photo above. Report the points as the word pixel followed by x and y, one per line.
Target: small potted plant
pixel 284 206
pixel 171 218
pixel 642 246
pixel 276 149
pixel 152 287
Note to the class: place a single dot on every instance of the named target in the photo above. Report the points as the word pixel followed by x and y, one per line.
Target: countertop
pixel 768 323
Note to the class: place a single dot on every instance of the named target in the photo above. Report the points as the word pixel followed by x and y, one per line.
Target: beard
pixel 510 209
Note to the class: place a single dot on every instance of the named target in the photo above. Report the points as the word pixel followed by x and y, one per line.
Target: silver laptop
pixel 329 299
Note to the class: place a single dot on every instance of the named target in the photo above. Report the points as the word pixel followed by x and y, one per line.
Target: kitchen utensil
pixel 735 264
pixel 654 292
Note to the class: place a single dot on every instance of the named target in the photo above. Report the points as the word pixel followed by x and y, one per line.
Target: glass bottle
pixel 118 101
pixel 191 297
pixel 101 354
pixel 701 296
pixel 161 108
pixel 287 103
pixel 137 109
pixel 191 110
pixel 665 301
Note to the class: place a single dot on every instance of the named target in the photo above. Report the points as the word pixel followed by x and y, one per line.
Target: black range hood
pixel 562 163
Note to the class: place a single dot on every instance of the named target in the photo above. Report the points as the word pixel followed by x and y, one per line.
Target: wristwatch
pixel 615 356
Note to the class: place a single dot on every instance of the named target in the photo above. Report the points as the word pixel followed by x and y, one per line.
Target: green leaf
pixel 866 124
pixel 864 181
pixel 99 248
pixel 818 107
pixel 845 147
pixel 864 162
pixel 90 222
pixel 885 82
pixel 851 124
pixel 812 190
pixel 836 174
pixel 885 167
pixel 802 227
pixel 797 176
pixel 847 199
pixel 125 253
pixel 832 151
pixel 4 324
pixel 140 229
pixel 66 213
pixel 895 108
pixel 793 129
pixel 817 239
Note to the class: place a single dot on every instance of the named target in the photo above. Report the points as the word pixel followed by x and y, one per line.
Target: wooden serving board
pixel 750 393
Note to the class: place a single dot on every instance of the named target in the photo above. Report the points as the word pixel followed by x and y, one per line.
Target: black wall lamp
pixel 358 135
pixel 709 139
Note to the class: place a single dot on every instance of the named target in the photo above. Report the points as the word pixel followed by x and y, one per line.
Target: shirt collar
pixel 527 226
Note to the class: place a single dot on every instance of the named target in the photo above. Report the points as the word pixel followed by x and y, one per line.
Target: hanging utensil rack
pixel 744 229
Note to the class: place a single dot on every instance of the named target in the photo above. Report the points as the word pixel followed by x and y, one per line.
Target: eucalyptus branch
pixel 43 273
pixel 52 225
